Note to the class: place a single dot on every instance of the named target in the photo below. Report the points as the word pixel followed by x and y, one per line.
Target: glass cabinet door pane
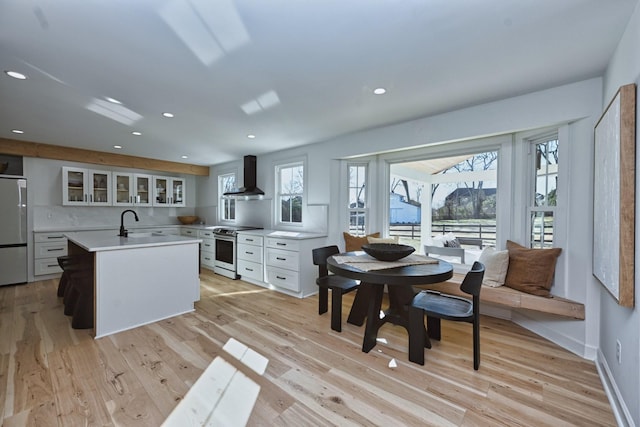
pixel 161 191
pixel 123 187
pixel 142 191
pixel 177 191
pixel 75 186
pixel 100 188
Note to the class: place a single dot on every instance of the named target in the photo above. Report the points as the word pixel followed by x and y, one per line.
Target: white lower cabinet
pixel 289 264
pixel 250 257
pixel 47 248
pixel 207 249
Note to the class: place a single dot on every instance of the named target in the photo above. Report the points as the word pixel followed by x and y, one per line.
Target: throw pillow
pixel 452 243
pixel 437 241
pixel 354 243
pixel 496 264
pixel 371 239
pixel 531 270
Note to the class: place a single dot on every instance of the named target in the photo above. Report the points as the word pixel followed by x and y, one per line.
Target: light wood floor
pixel 52 375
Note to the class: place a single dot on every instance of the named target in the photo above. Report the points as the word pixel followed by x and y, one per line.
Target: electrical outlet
pixel 618 352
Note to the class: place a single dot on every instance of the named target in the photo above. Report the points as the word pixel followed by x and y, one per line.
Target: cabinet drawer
pixel 249 253
pixel 207 259
pixel 49 237
pixel 251 270
pixel 283 278
pixel 46 266
pixel 282 259
pixel 49 250
pixel 188 232
pixel 208 245
pixel 291 245
pixel 250 240
pixel 205 234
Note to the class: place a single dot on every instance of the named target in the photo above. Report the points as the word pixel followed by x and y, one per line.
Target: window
pixel 456 194
pixel 227 182
pixel 543 198
pixel 358 202
pixel 290 191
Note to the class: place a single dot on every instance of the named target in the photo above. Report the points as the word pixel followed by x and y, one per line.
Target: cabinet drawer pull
pixel 280 259
pixel 51 265
pixel 55 250
pixel 55 237
pixel 248 253
pixel 281 244
pixel 248 269
pixel 248 240
pixel 207 258
pixel 281 278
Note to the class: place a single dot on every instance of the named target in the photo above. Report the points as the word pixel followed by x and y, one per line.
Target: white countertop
pixel 293 235
pixel 96 241
pixel 130 227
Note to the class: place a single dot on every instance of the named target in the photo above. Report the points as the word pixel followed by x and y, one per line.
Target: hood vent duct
pixel 250 188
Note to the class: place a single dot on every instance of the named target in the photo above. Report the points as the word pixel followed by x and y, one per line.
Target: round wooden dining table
pixel 399 281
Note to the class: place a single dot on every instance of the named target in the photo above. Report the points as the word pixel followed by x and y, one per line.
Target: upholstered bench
pixel 512 298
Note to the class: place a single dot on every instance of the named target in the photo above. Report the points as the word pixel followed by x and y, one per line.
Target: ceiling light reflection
pixel 16 75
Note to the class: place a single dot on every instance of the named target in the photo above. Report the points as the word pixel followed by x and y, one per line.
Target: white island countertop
pixel 96 241
pixel 293 235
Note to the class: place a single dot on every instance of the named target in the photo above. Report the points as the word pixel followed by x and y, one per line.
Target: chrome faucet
pixel 123 231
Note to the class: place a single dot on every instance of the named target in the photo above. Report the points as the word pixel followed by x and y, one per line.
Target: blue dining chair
pixel 436 306
pixel 339 286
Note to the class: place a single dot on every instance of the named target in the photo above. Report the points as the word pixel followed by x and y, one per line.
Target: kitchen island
pixel 139 279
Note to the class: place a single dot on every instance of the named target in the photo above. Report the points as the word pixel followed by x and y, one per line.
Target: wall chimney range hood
pixel 250 188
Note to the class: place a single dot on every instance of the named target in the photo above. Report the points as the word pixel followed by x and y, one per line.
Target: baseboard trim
pixel 618 405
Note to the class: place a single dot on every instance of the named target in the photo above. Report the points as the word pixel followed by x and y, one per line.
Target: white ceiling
pixel 204 59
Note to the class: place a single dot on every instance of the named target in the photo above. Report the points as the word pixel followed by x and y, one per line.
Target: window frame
pixel 530 207
pixel 366 208
pixel 225 202
pixel 278 168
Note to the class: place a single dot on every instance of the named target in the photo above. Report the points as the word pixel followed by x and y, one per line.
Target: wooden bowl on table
pixel 188 219
pixel 388 251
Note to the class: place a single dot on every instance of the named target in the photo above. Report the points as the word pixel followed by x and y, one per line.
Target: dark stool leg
pixel 336 310
pixel 476 345
pixel 433 327
pixel 417 335
pixel 323 296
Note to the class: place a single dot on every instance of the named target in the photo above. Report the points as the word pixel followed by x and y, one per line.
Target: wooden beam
pixel 56 152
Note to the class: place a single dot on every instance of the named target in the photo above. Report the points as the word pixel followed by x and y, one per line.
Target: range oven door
pixel 225 261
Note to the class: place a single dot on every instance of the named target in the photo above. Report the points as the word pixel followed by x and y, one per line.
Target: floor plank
pixel 52 375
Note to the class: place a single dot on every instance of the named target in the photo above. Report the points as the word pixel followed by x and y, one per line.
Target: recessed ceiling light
pixel 379 91
pixel 117 147
pixel 112 100
pixel 168 115
pixel 18 131
pixel 136 133
pixel 184 157
pixel 16 75
pixel 251 136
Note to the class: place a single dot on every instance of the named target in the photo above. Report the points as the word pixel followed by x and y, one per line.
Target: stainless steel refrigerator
pixel 13 230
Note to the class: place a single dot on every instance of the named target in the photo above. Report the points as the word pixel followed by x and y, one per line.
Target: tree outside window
pixel 290 192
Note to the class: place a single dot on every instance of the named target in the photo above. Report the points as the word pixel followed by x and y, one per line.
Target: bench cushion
pixel 496 264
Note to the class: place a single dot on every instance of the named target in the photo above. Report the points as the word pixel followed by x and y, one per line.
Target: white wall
pixel 619 323
pixel 576 105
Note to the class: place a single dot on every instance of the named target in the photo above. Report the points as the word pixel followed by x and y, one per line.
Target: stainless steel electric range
pixel 225 262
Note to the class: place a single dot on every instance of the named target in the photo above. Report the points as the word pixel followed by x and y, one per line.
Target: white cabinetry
pixel 47 248
pixel 250 257
pixel 168 191
pixel 132 189
pixel 289 264
pixel 86 187
pixel 207 248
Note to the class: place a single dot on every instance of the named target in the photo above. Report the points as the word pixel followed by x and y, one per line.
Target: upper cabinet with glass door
pixel 168 191
pixel 85 187
pixel 131 189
